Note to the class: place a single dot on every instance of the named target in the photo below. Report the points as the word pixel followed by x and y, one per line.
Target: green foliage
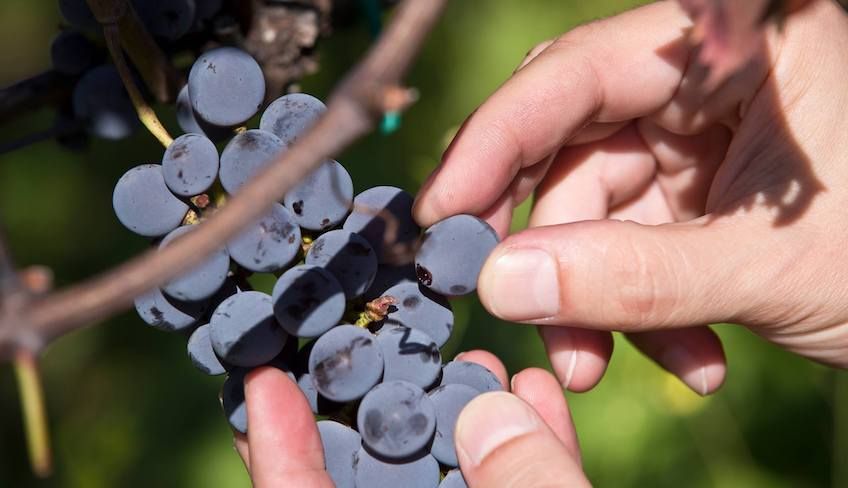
pixel 128 409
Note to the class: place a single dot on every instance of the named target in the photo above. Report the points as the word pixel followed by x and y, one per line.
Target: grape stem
pixel 145 112
pixel 375 311
pixel 34 412
pixel 353 110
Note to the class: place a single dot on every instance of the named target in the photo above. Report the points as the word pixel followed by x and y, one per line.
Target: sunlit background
pixel 128 409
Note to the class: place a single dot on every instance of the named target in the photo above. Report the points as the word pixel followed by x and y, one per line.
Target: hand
pixel 520 439
pixel 662 206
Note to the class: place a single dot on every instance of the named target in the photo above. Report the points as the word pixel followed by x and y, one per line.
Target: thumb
pixel 502 442
pixel 609 274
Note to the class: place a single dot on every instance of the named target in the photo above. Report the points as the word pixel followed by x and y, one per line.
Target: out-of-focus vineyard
pixel 128 409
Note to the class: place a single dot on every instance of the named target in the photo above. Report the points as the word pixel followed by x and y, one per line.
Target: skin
pixel 663 204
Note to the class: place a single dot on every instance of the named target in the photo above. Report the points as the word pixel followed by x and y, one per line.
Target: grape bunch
pixel 359 309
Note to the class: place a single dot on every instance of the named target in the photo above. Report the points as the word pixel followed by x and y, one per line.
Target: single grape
pixel 418 308
pixel 201 353
pixel 268 245
pixel 453 479
pixel 190 164
pixel 168 314
pixel 71 53
pixel 383 216
pixel 448 400
pixel 308 301
pixel 345 363
pixel 470 374
pixel 452 254
pixel 100 100
pixel 243 330
pixel 388 276
pixel 372 472
pixel 143 203
pixel 409 355
pixel 322 199
pixel 191 125
pixel 341 444
pixel 168 19
pixel 346 256
pixel 245 155
pixel 206 9
pixel 226 86
pixel 396 419
pixel 291 115
pixel 203 280
pixel 77 13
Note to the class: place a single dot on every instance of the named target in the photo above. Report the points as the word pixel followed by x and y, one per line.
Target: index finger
pixel 617 69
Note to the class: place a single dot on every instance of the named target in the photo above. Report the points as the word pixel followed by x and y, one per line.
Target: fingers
pixel 588 75
pixel 285 447
pixel 240 443
pixel 541 391
pixel 579 357
pixel 487 360
pixel 502 441
pixel 626 276
pixel 694 355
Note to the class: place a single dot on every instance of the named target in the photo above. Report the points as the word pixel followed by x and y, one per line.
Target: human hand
pixel 520 439
pixel 662 206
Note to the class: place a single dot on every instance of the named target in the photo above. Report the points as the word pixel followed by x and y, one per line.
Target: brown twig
pixel 47 88
pixel 352 111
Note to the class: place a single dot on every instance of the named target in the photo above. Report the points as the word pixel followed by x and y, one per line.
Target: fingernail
pixel 682 363
pixel 522 284
pixel 490 421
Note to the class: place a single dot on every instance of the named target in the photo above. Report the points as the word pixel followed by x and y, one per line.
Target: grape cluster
pixel 358 312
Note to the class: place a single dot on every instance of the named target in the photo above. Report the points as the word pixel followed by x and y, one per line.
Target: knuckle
pixel 641 284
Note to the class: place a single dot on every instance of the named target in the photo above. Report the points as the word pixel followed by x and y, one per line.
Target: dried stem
pixel 47 88
pixel 145 112
pixel 352 111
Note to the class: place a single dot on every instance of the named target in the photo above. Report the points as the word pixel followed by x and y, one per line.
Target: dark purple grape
pixel 232 400
pixel 203 280
pixel 319 404
pixel 346 256
pixel 71 53
pixel 418 308
pixel 371 472
pixel 341 444
pixel 322 199
pixel 383 216
pixel 100 100
pixel 168 314
pixel 409 355
pixel 245 155
pixel 389 276
pixel 452 254
pixel 191 125
pixel 143 203
pixel 190 164
pixel 268 245
pixel 77 13
pixel 243 330
pixel 291 115
pixel 448 400
pixel 345 363
pixel 308 301
pixel 470 374
pixel 201 353
pixel 396 419
pixel 226 86
pixel 168 19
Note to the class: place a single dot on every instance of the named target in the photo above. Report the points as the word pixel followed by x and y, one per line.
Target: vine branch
pixel 352 110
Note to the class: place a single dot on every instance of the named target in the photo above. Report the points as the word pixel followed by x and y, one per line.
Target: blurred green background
pixel 128 409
